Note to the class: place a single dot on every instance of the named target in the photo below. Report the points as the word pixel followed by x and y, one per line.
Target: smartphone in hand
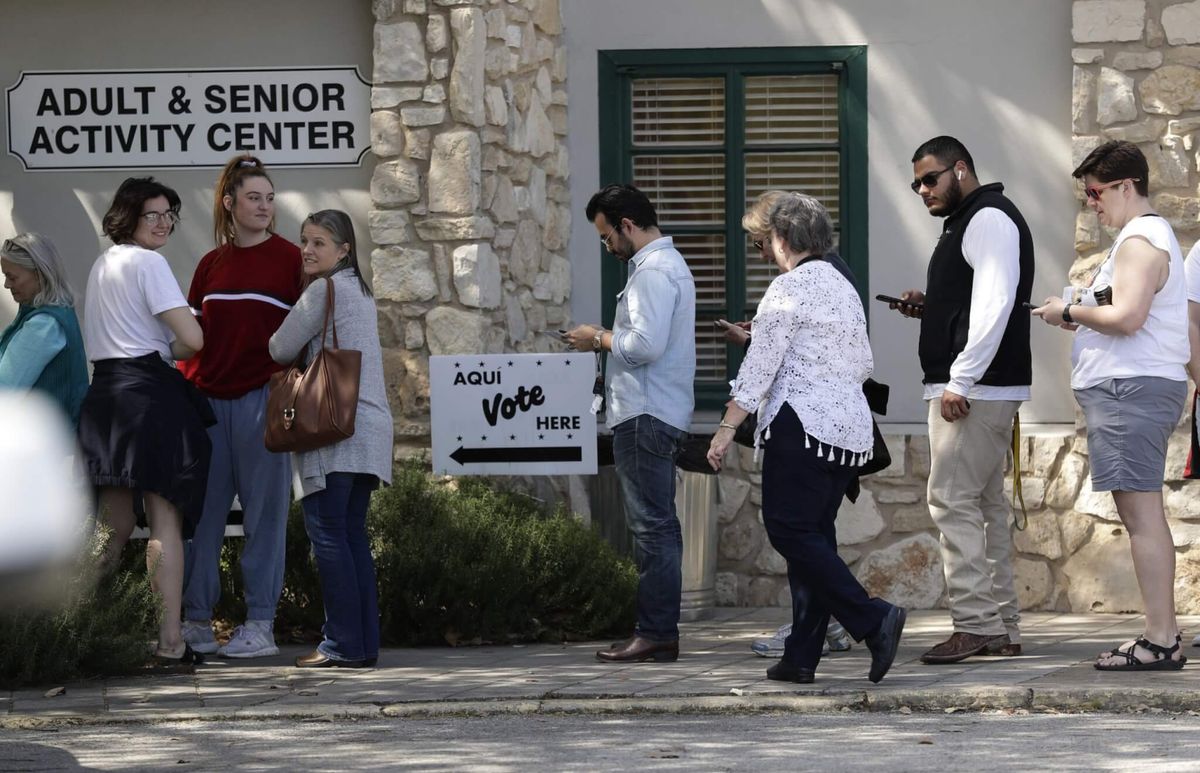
pixel 899 301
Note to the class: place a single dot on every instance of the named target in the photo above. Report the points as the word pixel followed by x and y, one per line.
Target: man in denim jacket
pixel 649 390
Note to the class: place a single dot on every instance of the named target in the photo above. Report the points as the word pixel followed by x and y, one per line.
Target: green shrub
pixel 462 562
pixel 97 628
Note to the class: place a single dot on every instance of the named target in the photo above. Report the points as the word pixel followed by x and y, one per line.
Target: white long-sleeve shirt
pixel 992 247
pixel 810 349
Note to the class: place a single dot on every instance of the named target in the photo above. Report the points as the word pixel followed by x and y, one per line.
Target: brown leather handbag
pixel 313 407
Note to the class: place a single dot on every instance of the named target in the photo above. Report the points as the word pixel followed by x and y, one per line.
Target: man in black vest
pixel 974 350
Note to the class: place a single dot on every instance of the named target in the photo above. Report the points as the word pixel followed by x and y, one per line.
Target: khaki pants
pixel 967 503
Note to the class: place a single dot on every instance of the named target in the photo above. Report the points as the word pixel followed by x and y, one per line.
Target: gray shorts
pixel 1129 421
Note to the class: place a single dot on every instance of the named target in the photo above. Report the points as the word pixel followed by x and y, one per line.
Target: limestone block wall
pixel 1072 556
pixel 469 200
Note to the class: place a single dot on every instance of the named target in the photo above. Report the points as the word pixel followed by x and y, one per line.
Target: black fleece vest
pixel 946 320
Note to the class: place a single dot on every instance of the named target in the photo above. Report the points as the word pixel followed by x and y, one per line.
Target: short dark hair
pixel 1117 160
pixel 121 219
pixel 618 202
pixel 946 149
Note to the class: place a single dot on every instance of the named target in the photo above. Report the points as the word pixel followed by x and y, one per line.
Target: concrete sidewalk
pixel 715 673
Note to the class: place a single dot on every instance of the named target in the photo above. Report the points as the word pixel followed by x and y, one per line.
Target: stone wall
pixel 469 200
pixel 1136 78
pixel 1072 556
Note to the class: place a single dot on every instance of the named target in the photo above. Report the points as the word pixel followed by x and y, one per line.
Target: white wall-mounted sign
pixel 513 414
pixel 171 119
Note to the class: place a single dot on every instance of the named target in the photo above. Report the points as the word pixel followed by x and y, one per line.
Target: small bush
pixel 98 628
pixel 462 562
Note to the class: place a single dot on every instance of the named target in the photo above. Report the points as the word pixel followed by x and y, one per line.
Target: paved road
pixel 891 742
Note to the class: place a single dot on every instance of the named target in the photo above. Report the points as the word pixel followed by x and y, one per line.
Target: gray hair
pixel 802 223
pixel 37 253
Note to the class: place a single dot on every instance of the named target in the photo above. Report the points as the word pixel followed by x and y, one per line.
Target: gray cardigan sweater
pixel 369 450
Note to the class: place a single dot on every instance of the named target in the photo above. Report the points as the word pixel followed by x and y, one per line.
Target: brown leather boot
pixel 1004 648
pixel 638 649
pixel 961 646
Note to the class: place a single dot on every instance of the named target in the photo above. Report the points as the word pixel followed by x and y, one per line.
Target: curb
pixel 1069 700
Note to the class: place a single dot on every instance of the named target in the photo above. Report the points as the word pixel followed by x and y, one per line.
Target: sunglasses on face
pixel 928 180
pixel 1093 191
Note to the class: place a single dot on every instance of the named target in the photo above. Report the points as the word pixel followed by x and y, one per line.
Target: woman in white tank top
pixel 1128 374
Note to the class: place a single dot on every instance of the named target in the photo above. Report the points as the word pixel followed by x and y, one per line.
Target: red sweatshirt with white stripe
pixel 241 295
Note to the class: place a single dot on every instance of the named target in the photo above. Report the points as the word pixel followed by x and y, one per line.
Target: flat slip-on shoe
pixel 884 643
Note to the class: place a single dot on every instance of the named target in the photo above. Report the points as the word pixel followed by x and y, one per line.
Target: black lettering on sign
pixel 558 422
pixel 507 407
pixel 478 377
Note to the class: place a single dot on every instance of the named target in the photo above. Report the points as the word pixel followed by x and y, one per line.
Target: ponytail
pixel 233 176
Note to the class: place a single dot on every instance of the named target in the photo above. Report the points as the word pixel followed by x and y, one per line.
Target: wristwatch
pixel 598 340
pixel 1066 315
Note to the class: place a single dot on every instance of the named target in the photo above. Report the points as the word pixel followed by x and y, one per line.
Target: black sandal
pixel 1162 657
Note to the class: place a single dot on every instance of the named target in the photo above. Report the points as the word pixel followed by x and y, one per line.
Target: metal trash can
pixel 696 496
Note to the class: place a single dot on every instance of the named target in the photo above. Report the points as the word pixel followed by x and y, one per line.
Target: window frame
pixel 616 70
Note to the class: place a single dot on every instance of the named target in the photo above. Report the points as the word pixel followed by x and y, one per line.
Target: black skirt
pixel 143 427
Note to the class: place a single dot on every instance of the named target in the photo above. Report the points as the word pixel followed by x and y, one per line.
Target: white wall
pixel 995 75
pixel 137 34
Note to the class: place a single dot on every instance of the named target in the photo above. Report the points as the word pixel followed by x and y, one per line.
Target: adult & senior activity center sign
pixel 163 119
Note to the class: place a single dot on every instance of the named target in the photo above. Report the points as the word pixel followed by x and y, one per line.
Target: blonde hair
pixel 757 220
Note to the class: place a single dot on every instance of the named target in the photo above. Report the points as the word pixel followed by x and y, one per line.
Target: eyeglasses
pixel 1094 191
pixel 758 244
pixel 928 180
pixel 170 217
pixel 604 239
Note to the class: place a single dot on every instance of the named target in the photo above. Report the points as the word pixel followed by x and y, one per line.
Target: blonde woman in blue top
pixel 42 349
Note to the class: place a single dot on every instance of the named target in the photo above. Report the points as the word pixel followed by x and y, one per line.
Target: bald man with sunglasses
pixel 974 350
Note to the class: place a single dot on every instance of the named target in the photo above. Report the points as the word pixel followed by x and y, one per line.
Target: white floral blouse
pixel 809 348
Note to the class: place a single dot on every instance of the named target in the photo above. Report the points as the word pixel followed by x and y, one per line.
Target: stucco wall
pixel 137 34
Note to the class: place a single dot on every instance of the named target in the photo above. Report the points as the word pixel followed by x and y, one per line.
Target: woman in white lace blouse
pixel 803 375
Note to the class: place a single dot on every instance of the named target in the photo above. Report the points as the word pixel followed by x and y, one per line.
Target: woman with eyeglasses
pixel 142 427
pixel 42 349
pixel 803 374
pixel 241 292
pixel 1129 377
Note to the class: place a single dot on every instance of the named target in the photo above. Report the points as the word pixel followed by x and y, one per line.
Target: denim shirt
pixel 653 362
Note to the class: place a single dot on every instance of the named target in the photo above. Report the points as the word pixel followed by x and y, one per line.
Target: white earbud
pixel 958 174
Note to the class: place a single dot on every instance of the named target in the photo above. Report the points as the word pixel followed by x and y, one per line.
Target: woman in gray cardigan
pixel 338 479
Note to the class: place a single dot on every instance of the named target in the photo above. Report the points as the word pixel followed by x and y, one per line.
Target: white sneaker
pixel 772 646
pixel 199 636
pixel 1196 641
pixel 255 639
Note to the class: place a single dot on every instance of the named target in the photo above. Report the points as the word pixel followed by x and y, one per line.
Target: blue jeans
pixel 644 450
pixel 262 481
pixel 336 522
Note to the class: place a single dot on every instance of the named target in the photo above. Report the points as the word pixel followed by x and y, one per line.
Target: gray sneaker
pixel 836 637
pixel 198 634
pixel 772 646
pixel 255 639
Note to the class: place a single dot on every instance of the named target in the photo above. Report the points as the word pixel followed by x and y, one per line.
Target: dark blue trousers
pixel 801 496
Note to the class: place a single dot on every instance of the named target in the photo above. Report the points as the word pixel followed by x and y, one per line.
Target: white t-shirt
pixel 128 286
pixel 1160 348
pixel 1191 269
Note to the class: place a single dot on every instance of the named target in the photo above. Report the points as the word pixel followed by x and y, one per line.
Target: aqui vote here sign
pixel 170 119
pixel 513 414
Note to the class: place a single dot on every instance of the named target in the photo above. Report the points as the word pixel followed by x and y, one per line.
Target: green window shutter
pixel 703 133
